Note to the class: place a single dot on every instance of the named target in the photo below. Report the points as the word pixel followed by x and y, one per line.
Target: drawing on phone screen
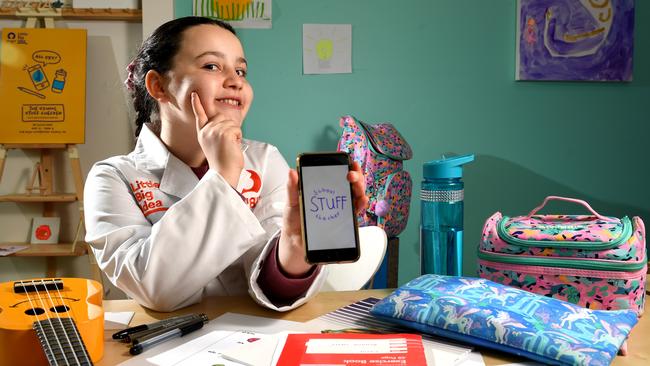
pixel 38 77
pixel 328 207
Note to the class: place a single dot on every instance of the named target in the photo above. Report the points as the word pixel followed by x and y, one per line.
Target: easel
pixel 43 170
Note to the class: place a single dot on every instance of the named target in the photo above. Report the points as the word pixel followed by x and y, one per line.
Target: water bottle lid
pixel 446 167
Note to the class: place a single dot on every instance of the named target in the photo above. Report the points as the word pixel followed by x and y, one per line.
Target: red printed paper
pixel 352 349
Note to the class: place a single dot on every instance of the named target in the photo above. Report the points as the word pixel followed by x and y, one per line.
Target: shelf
pixel 53 197
pixel 129 15
pixel 50 250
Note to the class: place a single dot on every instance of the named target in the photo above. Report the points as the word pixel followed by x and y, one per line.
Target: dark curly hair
pixel 157 53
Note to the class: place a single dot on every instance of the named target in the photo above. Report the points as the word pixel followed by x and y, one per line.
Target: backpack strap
pixel 353 139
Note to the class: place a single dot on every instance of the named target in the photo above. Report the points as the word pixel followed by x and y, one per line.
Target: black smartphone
pixel 329 225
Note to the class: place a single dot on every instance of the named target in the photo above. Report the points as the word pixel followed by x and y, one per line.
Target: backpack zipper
pixel 577 263
pixel 559 271
pixel 593 245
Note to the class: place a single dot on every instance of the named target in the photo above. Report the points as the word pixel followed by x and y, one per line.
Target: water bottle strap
pixel 442 196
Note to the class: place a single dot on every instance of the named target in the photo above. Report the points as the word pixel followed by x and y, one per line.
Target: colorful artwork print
pixel 583 40
pixel 238 13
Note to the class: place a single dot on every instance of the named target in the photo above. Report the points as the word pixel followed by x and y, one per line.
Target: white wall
pixel 109 131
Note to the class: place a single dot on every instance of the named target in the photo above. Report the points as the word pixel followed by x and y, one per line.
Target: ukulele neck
pixel 61 342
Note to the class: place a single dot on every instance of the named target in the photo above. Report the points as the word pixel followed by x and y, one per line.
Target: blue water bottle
pixel 441 229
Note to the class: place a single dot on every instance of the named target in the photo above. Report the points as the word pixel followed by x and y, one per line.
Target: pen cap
pixel 446 168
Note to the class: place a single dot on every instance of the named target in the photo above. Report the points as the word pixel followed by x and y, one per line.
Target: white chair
pixel 354 276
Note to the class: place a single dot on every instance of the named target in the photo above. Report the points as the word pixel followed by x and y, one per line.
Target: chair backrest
pixel 354 276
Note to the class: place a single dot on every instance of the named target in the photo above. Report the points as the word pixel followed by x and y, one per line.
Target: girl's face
pixel 210 61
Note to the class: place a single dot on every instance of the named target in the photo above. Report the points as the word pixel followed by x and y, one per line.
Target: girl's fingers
pixel 199 113
pixel 356 178
pixel 292 188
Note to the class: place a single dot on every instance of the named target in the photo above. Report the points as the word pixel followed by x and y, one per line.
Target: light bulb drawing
pixel 327 48
pixel 324 51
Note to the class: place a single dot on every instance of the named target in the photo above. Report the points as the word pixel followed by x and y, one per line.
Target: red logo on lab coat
pixel 250 185
pixel 143 191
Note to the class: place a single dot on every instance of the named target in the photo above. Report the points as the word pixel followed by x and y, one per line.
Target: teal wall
pixel 442 71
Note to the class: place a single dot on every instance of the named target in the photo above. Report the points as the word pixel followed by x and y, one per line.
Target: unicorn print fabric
pixel 488 314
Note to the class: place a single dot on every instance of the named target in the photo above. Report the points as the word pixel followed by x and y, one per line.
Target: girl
pixel 195 209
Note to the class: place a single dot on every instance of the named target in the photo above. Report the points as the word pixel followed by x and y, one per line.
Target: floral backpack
pixel 380 149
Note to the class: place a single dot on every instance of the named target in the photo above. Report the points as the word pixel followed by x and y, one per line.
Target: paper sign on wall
pixel 326 48
pixel 43 85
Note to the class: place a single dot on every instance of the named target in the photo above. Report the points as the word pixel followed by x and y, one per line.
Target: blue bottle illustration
pixel 441 228
pixel 59 81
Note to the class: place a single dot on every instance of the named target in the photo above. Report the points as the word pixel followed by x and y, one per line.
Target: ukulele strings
pixel 76 333
pixel 49 320
pixel 31 304
pixel 55 309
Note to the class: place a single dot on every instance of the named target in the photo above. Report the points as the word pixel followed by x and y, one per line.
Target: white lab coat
pixel 167 238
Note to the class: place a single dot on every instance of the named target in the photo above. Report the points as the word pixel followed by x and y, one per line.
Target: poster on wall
pixel 582 40
pixel 238 13
pixel 43 86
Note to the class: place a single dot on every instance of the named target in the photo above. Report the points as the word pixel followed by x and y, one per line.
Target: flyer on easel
pixel 43 86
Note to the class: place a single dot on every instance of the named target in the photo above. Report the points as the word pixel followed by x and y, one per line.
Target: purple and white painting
pixel 586 40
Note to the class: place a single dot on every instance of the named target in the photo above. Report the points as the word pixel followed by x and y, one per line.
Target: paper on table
pixel 205 346
pixel 260 353
pixel 473 358
pixel 206 350
pixel 117 319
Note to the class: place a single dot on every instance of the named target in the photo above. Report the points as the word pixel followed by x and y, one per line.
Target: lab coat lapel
pixel 151 154
pixel 178 179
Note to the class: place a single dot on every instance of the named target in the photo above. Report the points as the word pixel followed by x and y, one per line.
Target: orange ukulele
pixel 59 321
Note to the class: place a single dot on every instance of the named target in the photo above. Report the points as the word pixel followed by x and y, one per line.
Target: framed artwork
pixel 582 40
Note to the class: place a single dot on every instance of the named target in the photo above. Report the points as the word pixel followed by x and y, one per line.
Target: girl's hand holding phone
pixel 220 138
pixel 291 250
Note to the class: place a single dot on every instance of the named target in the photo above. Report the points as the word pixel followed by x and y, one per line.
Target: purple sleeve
pixel 279 287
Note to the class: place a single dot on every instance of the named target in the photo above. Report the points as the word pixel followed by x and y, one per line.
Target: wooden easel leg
pixel 50 267
pixel 47 162
pixel 75 163
pixel 73 154
pixel 3 155
pixel 31 22
pixel 49 22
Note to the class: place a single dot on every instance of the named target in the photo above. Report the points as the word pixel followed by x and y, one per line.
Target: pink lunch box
pixel 595 261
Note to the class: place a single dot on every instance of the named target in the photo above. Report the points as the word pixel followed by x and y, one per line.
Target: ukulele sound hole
pixel 60 309
pixel 34 311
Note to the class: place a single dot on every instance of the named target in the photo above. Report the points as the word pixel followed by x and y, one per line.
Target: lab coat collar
pixel 151 154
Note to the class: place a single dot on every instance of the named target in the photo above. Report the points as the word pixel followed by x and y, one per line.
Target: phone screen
pixel 329 227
